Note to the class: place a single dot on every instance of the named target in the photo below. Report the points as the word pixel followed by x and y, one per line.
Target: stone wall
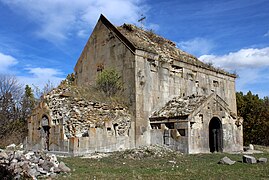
pixel 105 50
pixel 78 126
pixel 152 74
pixel 184 125
pixel 232 132
pixel 158 81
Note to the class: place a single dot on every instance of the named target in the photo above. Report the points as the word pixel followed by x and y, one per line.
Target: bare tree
pixel 38 92
pixel 10 97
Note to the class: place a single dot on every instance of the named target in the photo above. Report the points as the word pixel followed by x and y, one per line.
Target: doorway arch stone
pixel 215 135
pixel 45 131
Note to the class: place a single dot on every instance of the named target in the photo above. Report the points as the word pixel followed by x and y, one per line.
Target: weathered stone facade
pixel 174 98
pixel 74 126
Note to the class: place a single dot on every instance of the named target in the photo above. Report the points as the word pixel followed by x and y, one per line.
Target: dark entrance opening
pixel 215 135
pixel 46 131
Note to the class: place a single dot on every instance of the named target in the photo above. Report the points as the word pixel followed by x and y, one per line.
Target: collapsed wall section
pixel 70 124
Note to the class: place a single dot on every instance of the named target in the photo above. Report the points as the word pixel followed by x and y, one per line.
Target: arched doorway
pixel 45 131
pixel 215 135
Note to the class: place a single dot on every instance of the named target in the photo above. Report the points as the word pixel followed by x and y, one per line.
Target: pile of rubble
pixel 179 106
pixel 78 114
pixel 152 151
pixel 19 165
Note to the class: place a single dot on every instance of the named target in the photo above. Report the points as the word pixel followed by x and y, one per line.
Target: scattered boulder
pixel 250 150
pixel 251 147
pixel 63 167
pixel 47 165
pixel 249 159
pixel 262 160
pixel 11 147
pixel 57 170
pixel 3 155
pixel 227 161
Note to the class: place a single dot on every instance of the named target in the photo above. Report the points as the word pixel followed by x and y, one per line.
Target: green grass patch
pixel 200 166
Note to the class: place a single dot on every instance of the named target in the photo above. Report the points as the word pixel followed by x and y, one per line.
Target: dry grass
pixel 93 94
pixel 13 132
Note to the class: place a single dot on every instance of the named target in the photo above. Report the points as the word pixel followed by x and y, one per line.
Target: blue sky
pixel 42 40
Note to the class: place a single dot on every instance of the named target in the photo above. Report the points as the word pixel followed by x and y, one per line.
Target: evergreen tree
pixel 28 102
pixel 255 112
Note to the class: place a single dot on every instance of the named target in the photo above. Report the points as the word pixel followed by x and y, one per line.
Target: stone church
pixel 174 99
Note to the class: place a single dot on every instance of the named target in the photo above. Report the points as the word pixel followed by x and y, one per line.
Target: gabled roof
pixel 151 42
pixel 137 38
pixel 166 49
pixel 187 107
pixel 179 107
pixel 110 26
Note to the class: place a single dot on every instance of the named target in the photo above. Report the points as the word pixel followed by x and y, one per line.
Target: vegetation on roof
pixel 166 49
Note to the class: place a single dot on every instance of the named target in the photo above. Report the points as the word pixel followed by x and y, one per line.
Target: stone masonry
pixel 173 97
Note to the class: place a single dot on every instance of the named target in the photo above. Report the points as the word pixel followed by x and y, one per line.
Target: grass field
pixel 171 166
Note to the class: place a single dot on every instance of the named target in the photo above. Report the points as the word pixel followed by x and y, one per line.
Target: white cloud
pixel 58 19
pixel 40 76
pixel 251 58
pixel 254 79
pixel 252 66
pixel 6 62
pixel 196 46
pixel 248 76
pixel 32 76
pixel 43 72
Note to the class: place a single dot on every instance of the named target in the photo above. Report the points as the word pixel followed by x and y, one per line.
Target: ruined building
pixel 174 99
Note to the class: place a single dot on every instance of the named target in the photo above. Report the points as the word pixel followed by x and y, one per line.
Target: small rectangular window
pixel 197 83
pixel 190 76
pixel 152 64
pixel 215 83
pixel 194 73
pixel 177 70
pixel 182 132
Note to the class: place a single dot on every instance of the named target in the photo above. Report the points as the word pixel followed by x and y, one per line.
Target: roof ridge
pixel 149 41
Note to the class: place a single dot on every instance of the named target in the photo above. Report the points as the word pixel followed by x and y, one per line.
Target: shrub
pixel 108 81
